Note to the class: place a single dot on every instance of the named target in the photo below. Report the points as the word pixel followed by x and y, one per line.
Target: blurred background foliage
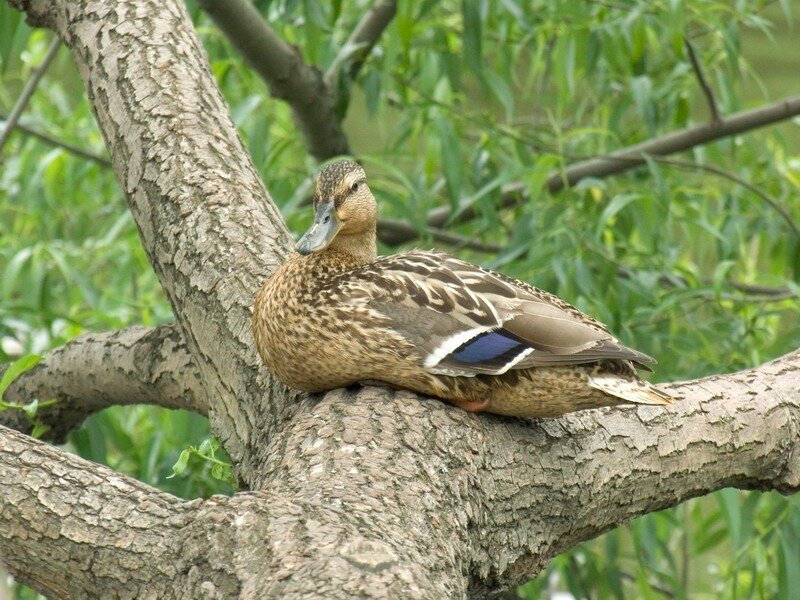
pixel 457 100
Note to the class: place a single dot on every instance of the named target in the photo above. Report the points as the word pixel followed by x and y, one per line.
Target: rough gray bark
pixel 137 365
pixel 360 492
pixel 173 145
pixel 380 493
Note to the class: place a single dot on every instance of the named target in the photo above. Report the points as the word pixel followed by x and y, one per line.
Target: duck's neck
pixel 349 251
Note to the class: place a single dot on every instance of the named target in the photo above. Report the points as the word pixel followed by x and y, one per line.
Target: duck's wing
pixel 466 321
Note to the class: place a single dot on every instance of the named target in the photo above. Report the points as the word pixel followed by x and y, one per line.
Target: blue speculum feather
pixel 488 347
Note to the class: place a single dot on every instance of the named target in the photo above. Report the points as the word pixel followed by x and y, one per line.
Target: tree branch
pixel 75 529
pixel 360 43
pixel 97 370
pixel 289 78
pixel 28 90
pixel 58 143
pixel 394 492
pixel 171 141
pixel 390 230
pixel 492 499
pixel 701 79
pixel 630 157
pixel 740 430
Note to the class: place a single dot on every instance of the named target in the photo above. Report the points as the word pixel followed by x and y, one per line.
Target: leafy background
pixel 458 99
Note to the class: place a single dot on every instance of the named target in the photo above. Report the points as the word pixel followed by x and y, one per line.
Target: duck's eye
pixel 355 186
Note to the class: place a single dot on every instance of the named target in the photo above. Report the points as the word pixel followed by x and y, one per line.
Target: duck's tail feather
pixel 631 390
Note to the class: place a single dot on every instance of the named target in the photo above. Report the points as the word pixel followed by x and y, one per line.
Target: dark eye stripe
pixel 342 196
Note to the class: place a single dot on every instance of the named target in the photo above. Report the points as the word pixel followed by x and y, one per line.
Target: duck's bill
pixel 321 233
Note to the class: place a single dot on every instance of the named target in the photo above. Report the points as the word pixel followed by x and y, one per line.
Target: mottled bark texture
pixel 97 370
pixel 362 492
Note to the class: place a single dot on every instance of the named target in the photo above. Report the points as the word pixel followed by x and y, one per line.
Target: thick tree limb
pixel 625 159
pixel 289 78
pixel 495 498
pixel 203 215
pixel 74 529
pixel 360 493
pixel 97 370
pixel 391 495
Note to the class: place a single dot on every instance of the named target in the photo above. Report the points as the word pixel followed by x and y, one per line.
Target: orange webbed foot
pixel 474 406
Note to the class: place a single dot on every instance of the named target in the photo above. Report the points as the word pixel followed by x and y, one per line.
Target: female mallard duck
pixel 335 314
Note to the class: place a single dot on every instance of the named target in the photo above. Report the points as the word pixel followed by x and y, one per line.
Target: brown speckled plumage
pixel 430 323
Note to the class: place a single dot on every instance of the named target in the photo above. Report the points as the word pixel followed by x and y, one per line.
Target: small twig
pixel 28 90
pixel 744 298
pixel 448 237
pixel 54 141
pixel 701 79
pixel 752 292
pixel 784 293
pixel 774 204
pixel 611 5
pixel 654 585
pixel 390 230
pixel 361 41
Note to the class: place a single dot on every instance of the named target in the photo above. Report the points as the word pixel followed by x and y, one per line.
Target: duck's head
pixel 344 207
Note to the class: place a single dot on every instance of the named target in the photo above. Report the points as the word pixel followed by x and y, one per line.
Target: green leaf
pixel 472 35
pixel 205 447
pixel 499 87
pixel 180 465
pixel 730 504
pixel 336 10
pixel 17 368
pixel 221 471
pixel 451 157
pixel 39 429
pixel 789 563
pixel 642 92
pixel 617 204
pixel 721 272
pixel 31 408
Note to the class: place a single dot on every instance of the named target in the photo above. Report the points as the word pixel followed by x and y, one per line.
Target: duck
pixel 335 314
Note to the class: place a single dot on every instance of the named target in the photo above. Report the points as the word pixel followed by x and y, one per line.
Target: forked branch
pixel 289 77
pixel 137 365
pixel 361 42
pixel 701 79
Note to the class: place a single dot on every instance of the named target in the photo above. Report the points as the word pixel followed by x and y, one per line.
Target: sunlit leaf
pixel 17 368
